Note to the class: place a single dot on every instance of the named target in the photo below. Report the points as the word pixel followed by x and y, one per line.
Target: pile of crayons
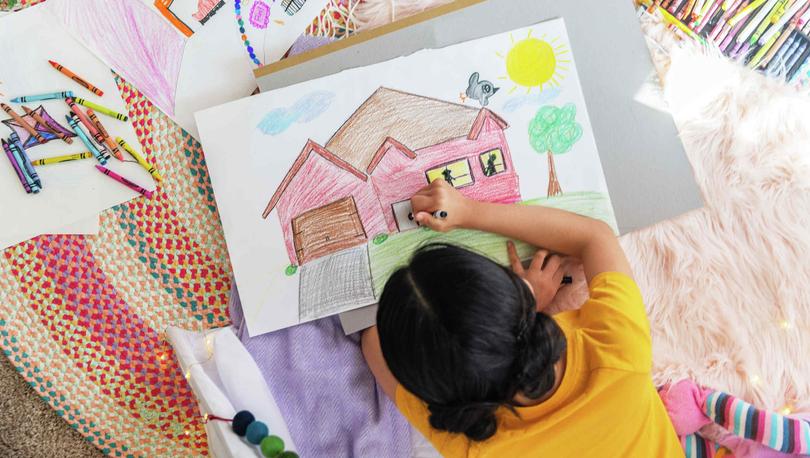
pixel 84 125
pixel 767 35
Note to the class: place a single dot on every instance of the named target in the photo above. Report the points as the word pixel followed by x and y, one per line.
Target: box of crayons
pixel 770 36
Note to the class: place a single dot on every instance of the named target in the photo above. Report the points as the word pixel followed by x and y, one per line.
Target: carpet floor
pixel 29 428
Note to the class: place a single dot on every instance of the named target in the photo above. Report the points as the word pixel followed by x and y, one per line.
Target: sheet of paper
pixel 87 226
pixel 313 181
pixel 184 55
pixel 71 191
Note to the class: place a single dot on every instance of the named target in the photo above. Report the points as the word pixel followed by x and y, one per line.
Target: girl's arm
pixel 590 240
pixel 374 358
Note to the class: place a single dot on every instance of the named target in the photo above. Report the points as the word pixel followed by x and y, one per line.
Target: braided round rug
pixel 83 316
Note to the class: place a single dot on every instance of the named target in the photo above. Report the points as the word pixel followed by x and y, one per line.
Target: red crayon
pixel 61 69
pixel 124 181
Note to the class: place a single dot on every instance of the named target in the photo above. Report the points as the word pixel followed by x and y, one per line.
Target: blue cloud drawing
pixel 305 110
pixel 516 103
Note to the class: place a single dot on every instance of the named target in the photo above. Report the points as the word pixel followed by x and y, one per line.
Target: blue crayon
pixel 74 123
pixel 15 143
pixel 30 183
pixel 38 97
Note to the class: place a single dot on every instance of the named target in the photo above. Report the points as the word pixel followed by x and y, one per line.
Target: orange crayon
pixel 61 69
pixel 42 121
pixel 105 136
pixel 23 124
pixel 82 117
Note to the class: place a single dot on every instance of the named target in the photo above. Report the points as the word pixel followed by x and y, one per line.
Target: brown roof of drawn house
pixel 412 120
pixel 389 118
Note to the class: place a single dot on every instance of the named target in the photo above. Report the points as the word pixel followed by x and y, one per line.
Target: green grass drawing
pixel 394 252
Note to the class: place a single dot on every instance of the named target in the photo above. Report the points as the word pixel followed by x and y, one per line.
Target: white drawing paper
pixel 184 55
pixel 313 181
pixel 72 191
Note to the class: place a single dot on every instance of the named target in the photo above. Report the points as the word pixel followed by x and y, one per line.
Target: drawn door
pixel 327 230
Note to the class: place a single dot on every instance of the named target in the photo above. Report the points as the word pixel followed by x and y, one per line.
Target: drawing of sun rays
pixel 536 63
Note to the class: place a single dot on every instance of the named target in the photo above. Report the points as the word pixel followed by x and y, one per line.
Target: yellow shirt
pixel 606 404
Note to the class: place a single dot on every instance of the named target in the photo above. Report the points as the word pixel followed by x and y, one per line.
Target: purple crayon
pixel 15 145
pixel 17 169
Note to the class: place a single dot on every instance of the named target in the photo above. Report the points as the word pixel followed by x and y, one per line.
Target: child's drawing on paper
pixel 315 187
pixel 359 184
pixel 535 62
pixel 554 131
pixel 188 16
pixel 258 22
pixel 304 110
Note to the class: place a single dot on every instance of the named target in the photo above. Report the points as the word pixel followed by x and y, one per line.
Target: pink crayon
pixel 124 181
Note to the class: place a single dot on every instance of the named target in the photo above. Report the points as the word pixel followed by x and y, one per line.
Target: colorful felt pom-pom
pixel 256 431
pixel 241 421
pixel 272 446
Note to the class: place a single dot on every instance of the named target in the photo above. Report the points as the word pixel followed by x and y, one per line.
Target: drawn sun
pixel 535 63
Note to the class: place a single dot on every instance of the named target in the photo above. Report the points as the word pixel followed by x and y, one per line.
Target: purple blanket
pixel 326 393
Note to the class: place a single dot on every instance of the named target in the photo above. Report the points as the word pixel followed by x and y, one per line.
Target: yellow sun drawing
pixel 536 63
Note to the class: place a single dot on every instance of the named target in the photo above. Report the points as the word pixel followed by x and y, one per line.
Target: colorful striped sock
pixel 696 446
pixel 778 432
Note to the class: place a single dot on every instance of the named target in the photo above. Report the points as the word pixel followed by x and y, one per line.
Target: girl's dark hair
pixel 461 332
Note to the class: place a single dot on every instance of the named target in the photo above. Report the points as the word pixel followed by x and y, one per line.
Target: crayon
pixel 65 158
pixel 750 30
pixel 798 64
pixel 143 162
pixel 124 181
pixel 793 13
pixel 31 130
pixel 91 128
pixel 23 179
pixel 105 136
pixel 45 124
pixel 745 12
pixel 101 109
pixel 16 146
pixel 38 97
pixel 74 123
pixel 61 69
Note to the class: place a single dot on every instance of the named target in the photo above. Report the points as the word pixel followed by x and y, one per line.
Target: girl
pixel 463 347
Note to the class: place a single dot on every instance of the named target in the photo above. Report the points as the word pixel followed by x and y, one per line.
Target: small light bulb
pixel 786 410
pixel 786 324
pixel 188 375
pixel 162 357
pixel 188 433
pixel 755 379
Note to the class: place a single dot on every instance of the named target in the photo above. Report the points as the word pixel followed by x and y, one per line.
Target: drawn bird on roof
pixel 481 90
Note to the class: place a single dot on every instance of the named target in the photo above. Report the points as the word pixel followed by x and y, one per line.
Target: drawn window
pixel 492 162
pixel 456 173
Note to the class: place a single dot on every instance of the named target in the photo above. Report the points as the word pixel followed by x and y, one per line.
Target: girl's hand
pixel 440 196
pixel 544 275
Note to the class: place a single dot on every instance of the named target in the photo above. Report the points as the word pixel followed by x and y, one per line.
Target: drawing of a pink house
pixel 359 184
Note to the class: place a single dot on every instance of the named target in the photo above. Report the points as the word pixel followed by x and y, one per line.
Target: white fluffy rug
pixel 728 287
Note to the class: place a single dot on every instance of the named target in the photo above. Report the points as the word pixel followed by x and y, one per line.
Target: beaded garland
pixel 244 424
pixel 237 4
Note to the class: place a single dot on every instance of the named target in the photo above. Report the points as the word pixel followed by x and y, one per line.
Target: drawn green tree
pixel 554 130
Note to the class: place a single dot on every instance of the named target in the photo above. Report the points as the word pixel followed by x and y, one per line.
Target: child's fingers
pixel 558 277
pixel 421 203
pixel 553 263
pixel 426 219
pixel 514 260
pixel 539 260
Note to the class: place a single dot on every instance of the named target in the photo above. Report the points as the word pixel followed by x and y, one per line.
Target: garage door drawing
pixel 327 229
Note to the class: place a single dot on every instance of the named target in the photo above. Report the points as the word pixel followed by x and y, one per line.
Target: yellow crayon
pixel 143 162
pixel 101 109
pixel 66 158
